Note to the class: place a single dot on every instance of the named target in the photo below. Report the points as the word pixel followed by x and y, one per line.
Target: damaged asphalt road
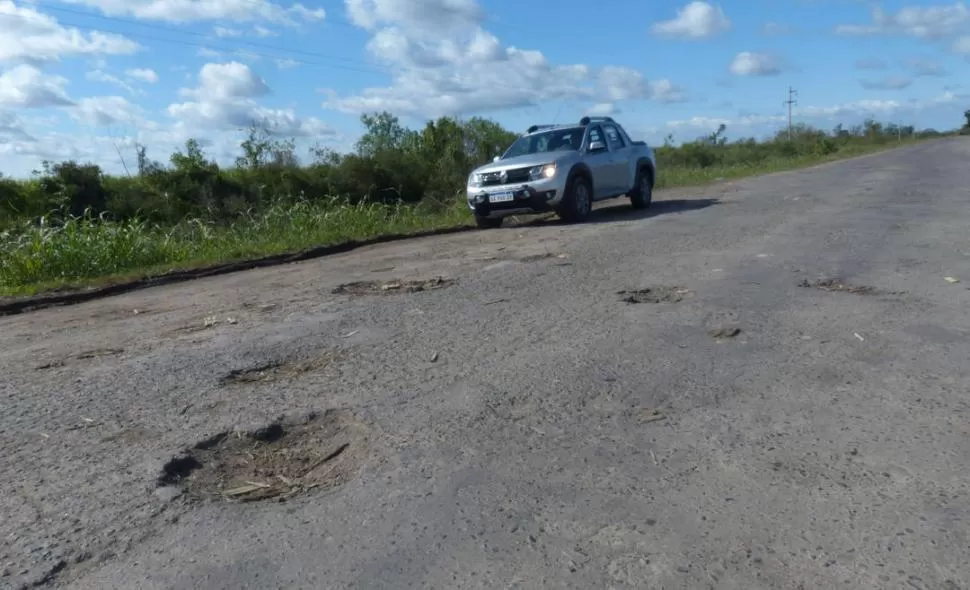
pixel 758 384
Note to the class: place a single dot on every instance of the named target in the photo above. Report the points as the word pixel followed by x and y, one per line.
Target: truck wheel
pixel 642 194
pixel 577 203
pixel 488 222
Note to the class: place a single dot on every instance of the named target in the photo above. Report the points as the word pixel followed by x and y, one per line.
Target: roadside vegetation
pixel 71 224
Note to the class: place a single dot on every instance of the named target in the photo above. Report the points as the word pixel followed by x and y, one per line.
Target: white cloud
pixel 428 16
pixel 748 63
pixel 602 109
pixel 962 46
pixel 666 91
pixel 697 20
pixel 712 123
pixel 889 83
pixel 923 22
pixel 102 76
pixel 12 128
pixel 225 99
pixel 186 11
pixel 25 86
pixel 227 32
pixel 146 75
pixel 454 67
pixel 227 81
pixel 102 111
pixel 847 113
pixel 33 37
pixel 880 108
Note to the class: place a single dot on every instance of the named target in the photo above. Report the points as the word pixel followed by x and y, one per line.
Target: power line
pixel 210 47
pixel 369 70
pixel 182 31
pixel 321 58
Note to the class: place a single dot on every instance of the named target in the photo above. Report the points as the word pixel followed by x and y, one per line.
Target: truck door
pixel 620 160
pixel 600 163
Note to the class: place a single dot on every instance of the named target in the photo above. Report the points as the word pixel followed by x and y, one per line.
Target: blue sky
pixel 86 79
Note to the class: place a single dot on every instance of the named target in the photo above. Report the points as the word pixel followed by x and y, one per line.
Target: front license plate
pixel 501 197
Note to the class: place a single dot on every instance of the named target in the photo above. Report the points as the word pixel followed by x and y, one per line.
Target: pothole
pixel 81 356
pixel 277 461
pixel 837 285
pixel 540 257
pixel 278 369
pixel 391 287
pixel 662 294
pixel 723 332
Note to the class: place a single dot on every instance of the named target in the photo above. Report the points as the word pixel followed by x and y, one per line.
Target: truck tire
pixel 642 194
pixel 577 203
pixel 488 222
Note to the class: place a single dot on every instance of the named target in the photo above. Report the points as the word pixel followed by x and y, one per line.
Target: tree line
pixel 390 163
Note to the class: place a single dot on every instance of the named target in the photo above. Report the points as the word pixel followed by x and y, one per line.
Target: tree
pixel 384 133
pixel 966 115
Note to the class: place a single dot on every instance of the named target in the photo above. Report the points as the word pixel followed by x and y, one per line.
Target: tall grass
pixel 36 256
pixel 40 255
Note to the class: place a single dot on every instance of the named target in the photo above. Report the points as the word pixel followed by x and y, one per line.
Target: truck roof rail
pixel 587 120
pixel 535 128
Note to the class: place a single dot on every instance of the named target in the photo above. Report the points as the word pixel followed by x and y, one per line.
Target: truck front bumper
pixel 525 199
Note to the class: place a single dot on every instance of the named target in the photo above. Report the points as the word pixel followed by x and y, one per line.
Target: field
pixel 73 226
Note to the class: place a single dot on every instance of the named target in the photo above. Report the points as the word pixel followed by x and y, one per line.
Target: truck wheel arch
pixel 581 171
pixel 647 165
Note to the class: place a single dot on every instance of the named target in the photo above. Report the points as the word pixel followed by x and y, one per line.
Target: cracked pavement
pixel 528 425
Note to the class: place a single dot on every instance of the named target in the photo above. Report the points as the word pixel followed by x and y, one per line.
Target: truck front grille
pixel 514 175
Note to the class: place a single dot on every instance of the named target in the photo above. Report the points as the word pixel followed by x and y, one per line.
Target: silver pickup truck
pixel 563 168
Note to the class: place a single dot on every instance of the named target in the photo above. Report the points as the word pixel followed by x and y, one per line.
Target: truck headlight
pixel 475 179
pixel 542 172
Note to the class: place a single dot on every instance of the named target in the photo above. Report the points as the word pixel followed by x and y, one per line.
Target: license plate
pixel 500 197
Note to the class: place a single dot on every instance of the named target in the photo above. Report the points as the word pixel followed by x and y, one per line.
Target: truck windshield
pixel 548 141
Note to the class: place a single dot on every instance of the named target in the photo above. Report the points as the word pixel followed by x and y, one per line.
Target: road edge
pixel 38 302
pixel 15 306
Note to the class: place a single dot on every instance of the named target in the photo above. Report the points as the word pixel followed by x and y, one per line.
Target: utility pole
pixel 792 95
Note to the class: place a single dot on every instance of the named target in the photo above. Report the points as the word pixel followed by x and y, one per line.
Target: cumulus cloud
pixel 922 22
pixel 847 113
pixel 25 86
pixel 187 11
pixel 102 111
pixel 225 99
pixel 442 62
pixel 102 76
pixel 147 75
pixel 29 36
pixel 12 128
pixel 429 16
pixel 748 63
pixel 697 20
pixel 962 46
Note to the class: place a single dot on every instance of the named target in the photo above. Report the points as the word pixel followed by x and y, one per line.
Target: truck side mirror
pixel 496 158
pixel 596 146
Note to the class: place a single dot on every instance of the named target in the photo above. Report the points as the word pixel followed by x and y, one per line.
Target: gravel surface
pixel 760 384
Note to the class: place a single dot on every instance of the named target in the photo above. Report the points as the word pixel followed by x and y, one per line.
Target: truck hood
pixel 525 161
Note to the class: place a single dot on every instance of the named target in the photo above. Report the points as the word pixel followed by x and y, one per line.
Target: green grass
pixel 84 252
